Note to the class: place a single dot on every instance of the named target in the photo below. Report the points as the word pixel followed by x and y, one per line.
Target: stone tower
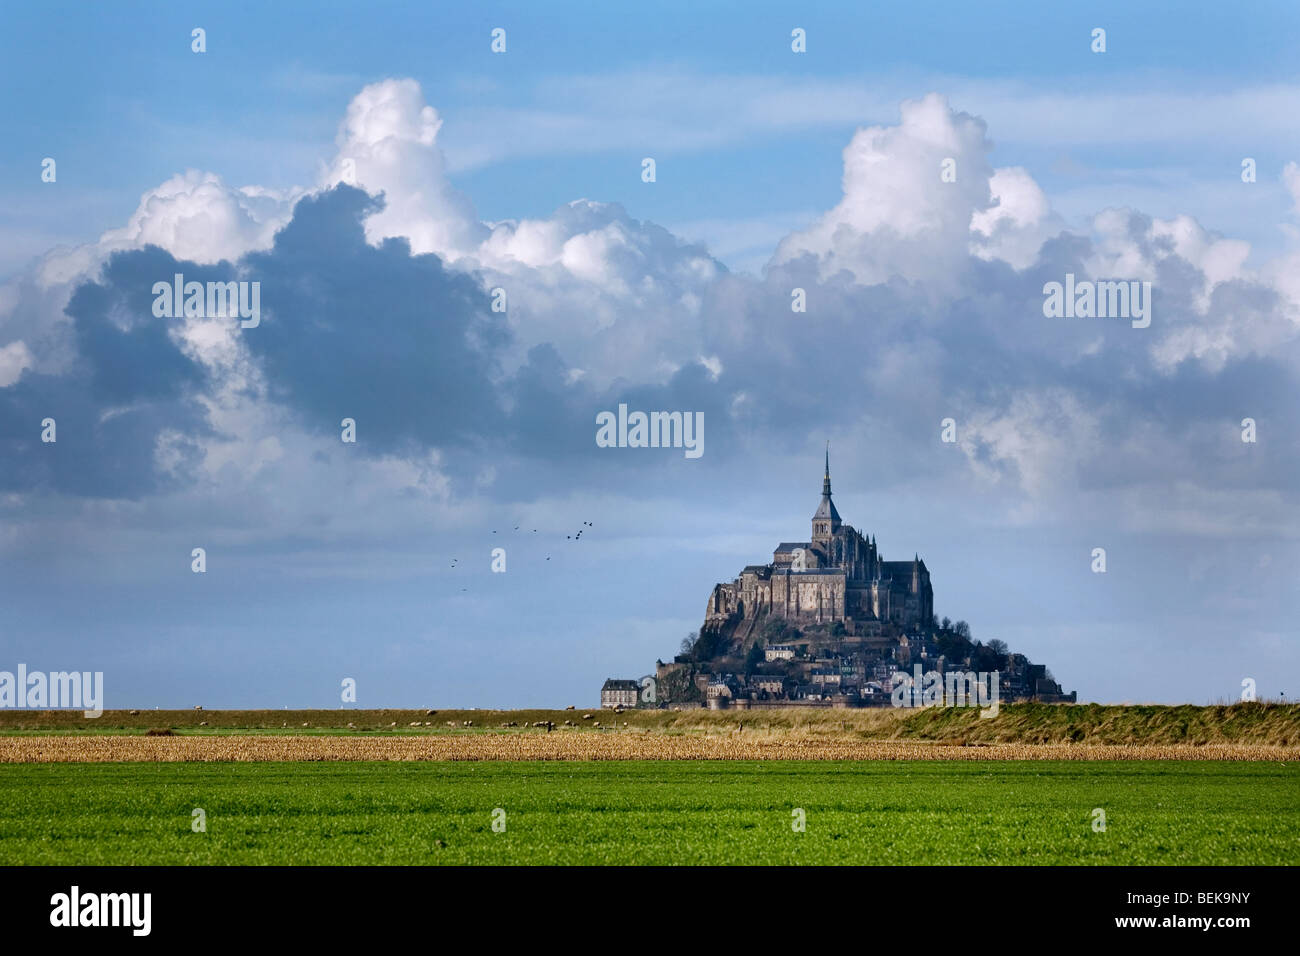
pixel 826 522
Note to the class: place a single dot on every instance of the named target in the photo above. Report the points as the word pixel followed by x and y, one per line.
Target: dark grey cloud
pixel 129 383
pixel 411 350
pixel 397 342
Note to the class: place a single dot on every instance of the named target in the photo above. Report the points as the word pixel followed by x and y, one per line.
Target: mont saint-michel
pixel 826 622
pixel 838 577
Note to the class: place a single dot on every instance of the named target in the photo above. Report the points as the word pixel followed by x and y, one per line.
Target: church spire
pixel 827 520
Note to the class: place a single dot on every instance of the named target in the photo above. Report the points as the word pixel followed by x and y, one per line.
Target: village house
pixel 619 693
pixel 723 688
pixel 772 684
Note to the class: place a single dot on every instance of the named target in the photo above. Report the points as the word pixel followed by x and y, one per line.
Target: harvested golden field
pixel 578 745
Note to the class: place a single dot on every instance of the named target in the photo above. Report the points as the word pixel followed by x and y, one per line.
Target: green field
pixel 651 812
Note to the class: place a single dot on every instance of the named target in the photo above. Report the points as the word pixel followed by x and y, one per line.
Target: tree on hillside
pixel 704 645
pixel 984 659
pixel 754 658
pixel 1000 650
pixel 953 647
pixel 679 687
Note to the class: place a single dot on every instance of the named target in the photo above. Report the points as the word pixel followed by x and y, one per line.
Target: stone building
pixel 770 684
pixel 619 693
pixel 837 576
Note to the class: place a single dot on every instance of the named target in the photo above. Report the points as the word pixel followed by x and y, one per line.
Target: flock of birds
pixel 568 537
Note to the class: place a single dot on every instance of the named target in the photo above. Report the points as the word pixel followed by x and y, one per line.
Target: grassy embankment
pixel 1245 723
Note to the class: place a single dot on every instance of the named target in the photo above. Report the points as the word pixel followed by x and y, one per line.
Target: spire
pixel 827 520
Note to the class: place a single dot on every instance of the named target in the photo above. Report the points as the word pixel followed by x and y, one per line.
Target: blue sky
pixel 324 565
pixel 126 104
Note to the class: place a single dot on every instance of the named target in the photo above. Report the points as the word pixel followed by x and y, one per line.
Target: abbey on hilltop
pixel 828 623
pixel 838 576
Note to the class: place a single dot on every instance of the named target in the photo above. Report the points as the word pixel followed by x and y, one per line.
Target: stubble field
pixel 588 746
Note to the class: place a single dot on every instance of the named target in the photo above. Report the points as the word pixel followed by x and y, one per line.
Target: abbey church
pixel 828 623
pixel 836 577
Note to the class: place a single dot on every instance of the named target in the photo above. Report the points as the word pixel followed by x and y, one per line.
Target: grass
pixel 652 812
pixel 1247 723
